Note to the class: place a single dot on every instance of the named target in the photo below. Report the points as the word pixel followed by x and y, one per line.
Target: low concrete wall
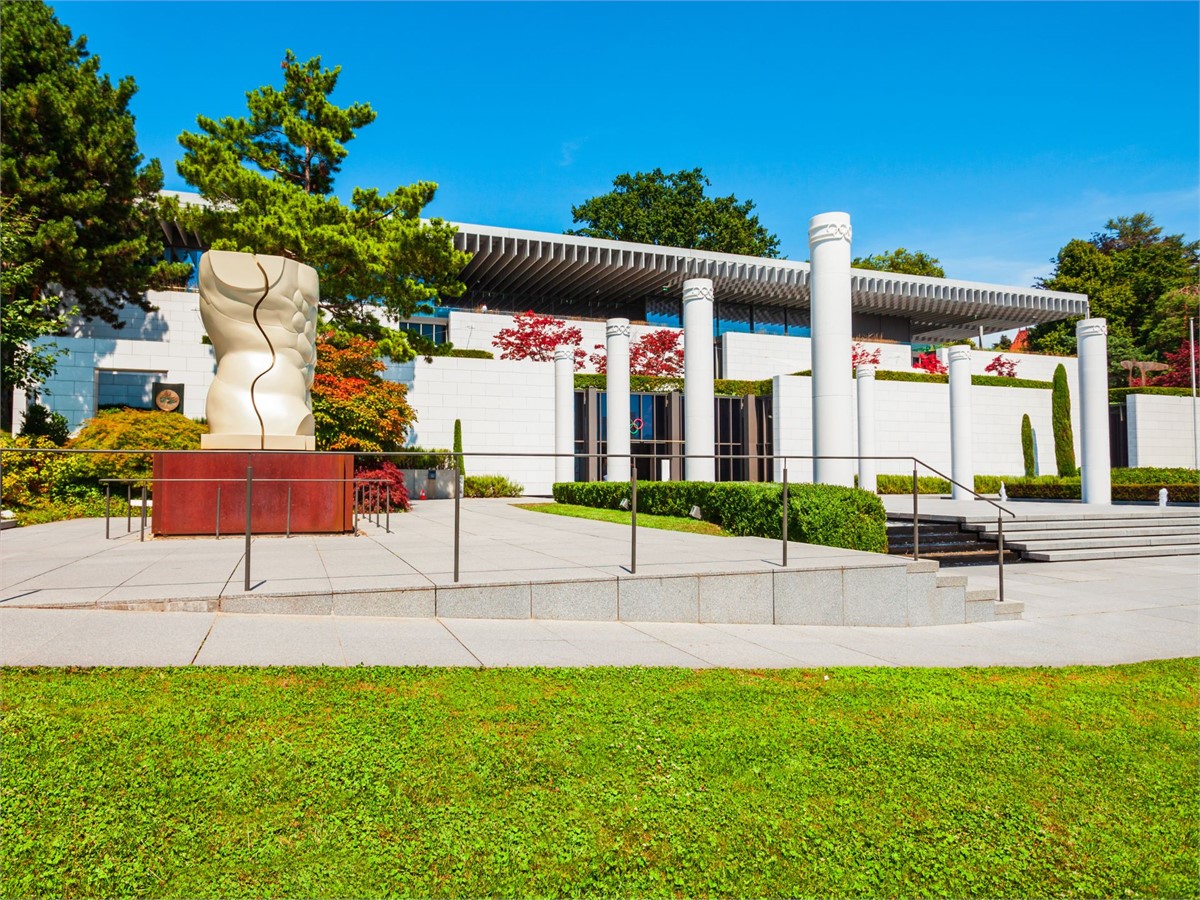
pixel 1160 430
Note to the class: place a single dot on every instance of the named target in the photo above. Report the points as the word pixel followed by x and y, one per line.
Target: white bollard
pixel 1162 497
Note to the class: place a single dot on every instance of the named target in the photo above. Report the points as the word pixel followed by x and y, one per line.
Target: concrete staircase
pixel 1116 536
pixel 947 542
pixel 939 599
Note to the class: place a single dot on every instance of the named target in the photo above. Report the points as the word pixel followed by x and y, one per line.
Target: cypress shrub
pixel 825 514
pixel 462 463
pixel 1027 446
pixel 1064 439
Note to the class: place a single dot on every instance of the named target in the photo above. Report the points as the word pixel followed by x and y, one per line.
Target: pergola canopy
pixel 533 264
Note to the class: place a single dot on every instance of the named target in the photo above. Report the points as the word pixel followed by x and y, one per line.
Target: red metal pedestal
pixel 322 493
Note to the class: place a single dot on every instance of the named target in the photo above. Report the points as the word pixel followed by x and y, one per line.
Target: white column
pixel 832 407
pixel 866 426
pixel 1091 335
pixel 617 413
pixel 962 469
pixel 564 412
pixel 699 434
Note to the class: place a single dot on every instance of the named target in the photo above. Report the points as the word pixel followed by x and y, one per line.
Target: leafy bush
pixel 1118 395
pixel 491 486
pixel 354 408
pixel 40 422
pixel 1150 475
pixel 1027 455
pixel 1060 407
pixel 653 384
pixel 38 487
pixel 126 429
pixel 420 459
pixel 392 492
pixel 463 353
pixel 823 514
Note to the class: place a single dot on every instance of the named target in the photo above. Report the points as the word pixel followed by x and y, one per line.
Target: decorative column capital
pixel 865 370
pixel 698 289
pixel 1091 328
pixel 959 353
pixel 564 351
pixel 830 226
pixel 616 328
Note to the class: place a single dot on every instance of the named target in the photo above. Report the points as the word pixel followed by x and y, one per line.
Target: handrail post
pixel 249 502
pixel 458 484
pixel 128 507
pixel 218 512
pixel 916 516
pixel 387 515
pixel 633 518
pixel 1000 552
pixel 107 506
pixel 785 513
pixel 142 527
pixel 288 521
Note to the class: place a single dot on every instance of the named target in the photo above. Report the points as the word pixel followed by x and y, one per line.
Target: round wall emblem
pixel 167 400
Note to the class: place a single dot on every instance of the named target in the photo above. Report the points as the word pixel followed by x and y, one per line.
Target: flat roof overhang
pixel 565 267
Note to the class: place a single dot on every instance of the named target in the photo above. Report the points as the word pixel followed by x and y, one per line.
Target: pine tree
pixel 269 179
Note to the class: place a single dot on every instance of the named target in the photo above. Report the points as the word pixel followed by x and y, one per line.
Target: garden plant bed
pixel 633 782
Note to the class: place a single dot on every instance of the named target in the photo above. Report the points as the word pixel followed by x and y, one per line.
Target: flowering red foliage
pixel 390 493
pixel 1181 361
pixel 535 336
pixel 353 407
pixel 929 362
pixel 1004 368
pixel 658 352
pixel 860 355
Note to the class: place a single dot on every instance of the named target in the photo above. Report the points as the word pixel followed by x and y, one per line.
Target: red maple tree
pixel 535 336
pixel 929 362
pixel 860 355
pixel 1181 363
pixel 658 352
pixel 1004 368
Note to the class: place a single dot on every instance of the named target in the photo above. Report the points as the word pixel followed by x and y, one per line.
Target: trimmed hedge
pixel 1151 475
pixel 934 378
pixel 1060 413
pixel 1118 395
pixel 1029 461
pixel 817 513
pixel 491 486
pixel 1127 484
pixel 661 384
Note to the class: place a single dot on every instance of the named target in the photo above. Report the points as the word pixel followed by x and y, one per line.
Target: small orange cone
pixel 422 497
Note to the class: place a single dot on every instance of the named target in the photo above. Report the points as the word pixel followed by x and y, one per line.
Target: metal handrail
pixel 460 456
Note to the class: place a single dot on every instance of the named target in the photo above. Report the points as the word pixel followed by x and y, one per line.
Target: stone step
pixel 1111 553
pixel 1069 524
pixel 1087 533
pixel 1084 543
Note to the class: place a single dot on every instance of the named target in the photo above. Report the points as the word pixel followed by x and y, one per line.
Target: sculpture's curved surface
pixel 261 316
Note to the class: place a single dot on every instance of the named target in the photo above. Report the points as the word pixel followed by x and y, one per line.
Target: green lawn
pixel 621 517
pixel 632 782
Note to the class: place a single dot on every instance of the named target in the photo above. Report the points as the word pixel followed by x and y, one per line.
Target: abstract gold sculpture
pixel 261 316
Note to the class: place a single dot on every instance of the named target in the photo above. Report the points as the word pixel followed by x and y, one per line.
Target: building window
pixel 770 320
pixel 433 331
pixel 664 311
pixel 116 389
pixel 734 317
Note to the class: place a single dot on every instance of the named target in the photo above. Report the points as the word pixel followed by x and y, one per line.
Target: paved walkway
pixel 1102 613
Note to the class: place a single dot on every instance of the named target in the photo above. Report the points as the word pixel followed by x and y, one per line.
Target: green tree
pixel 269 179
pixel 1027 454
pixel 1060 417
pixel 354 407
pixel 1126 271
pixel 672 210
pixel 82 204
pixel 462 463
pixel 901 260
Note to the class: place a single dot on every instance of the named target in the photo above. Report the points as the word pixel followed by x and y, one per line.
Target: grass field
pixel 629 782
pixel 621 517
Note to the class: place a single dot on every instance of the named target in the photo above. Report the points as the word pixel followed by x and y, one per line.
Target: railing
pixel 371 489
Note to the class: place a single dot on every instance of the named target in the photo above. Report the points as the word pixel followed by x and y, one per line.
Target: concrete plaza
pixel 1098 612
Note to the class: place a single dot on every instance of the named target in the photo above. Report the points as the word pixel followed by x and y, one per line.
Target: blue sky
pixel 986 134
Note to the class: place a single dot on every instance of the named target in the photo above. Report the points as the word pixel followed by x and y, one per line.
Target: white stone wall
pixel 913 419
pixel 1160 430
pixel 756 356
pixel 504 405
pixel 164 343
